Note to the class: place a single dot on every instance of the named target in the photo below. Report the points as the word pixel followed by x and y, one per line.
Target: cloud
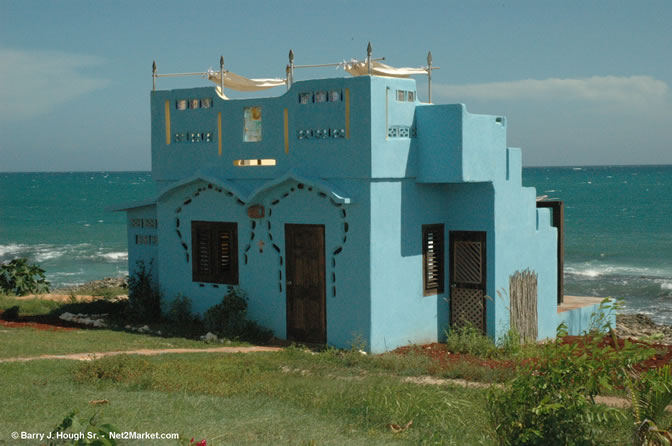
pixel 623 91
pixel 36 82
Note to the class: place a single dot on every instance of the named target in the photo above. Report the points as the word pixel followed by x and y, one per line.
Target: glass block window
pixel 252 129
pixel 401 95
pixel 320 96
pixel 334 95
pixel 136 222
pixel 149 223
pixel 206 102
pixel 411 96
pixel 181 104
pixel 194 104
pixel 305 98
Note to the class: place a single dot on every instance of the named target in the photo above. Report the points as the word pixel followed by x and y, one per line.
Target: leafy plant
pixel 144 298
pixel 20 278
pixel 179 311
pixel 74 432
pixel 650 394
pixel 552 398
pixel 229 319
pixel 470 340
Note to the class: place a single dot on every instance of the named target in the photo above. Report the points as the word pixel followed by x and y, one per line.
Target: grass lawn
pixel 31 342
pixel 293 397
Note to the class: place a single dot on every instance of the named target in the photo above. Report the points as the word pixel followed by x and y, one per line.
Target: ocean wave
pixel 593 271
pixel 114 255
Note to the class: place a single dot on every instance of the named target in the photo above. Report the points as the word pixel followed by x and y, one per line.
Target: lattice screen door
pixel 467 279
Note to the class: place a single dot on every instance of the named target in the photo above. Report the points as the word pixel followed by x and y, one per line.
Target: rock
pixel 209 337
pixel 641 326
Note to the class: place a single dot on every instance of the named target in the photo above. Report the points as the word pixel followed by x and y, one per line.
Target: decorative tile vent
pixel 320 134
pixel 401 131
pixel 193 103
pixel 151 240
pixel 143 223
pixel 189 137
pixel 320 96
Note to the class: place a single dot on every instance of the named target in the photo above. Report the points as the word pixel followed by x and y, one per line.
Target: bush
pixel 228 319
pixel 19 278
pixel 144 299
pixel 179 311
pixel 11 314
pixel 470 340
pixel 551 400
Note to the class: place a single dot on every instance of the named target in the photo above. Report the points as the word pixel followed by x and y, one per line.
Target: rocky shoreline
pixel 640 326
pixel 95 285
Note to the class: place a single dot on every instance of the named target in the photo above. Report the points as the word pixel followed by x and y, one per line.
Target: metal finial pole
pixel 429 76
pixel 369 53
pixel 221 73
pixel 290 74
pixel 154 75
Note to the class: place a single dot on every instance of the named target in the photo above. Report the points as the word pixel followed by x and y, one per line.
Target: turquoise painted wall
pixel 404 165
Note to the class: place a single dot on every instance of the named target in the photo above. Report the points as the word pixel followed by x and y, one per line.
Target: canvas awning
pixel 360 68
pixel 241 83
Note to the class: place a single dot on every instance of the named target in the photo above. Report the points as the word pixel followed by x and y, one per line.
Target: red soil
pixel 47 323
pixel 446 358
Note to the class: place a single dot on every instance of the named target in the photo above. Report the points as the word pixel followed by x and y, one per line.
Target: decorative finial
pixel 369 50
pixel 221 61
pixel 429 57
pixel 154 66
pixel 291 56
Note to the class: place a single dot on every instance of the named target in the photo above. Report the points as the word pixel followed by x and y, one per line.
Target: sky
pixel 580 82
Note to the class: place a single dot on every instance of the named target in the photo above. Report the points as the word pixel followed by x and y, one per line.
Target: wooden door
pixel 467 279
pixel 305 283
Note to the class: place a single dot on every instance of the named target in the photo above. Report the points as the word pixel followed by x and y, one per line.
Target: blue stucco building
pixel 347 209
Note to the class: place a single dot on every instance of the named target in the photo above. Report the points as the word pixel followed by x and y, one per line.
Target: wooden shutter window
pixel 432 259
pixel 214 252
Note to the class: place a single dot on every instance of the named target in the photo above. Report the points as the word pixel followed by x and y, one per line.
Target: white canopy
pixel 240 83
pixel 360 68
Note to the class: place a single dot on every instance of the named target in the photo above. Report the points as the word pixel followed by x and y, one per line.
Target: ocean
pixel 618 230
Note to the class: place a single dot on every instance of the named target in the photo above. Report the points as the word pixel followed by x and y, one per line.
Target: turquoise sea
pixel 618 227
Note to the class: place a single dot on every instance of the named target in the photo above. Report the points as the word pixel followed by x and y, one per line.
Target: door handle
pixel 453 285
pixel 289 283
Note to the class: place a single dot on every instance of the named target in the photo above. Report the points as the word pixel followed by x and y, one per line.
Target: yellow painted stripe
pixel 286 117
pixel 219 133
pixel 167 122
pixel 347 113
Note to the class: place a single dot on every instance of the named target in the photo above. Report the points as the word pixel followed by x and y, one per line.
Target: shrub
pixel 11 314
pixel 20 278
pixel 551 400
pixel 651 394
pixel 144 299
pixel 470 340
pixel 229 319
pixel 179 311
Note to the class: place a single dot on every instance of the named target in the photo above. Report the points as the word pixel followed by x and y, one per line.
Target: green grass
pixel 15 342
pixel 293 397
pixel 243 399
pixel 29 306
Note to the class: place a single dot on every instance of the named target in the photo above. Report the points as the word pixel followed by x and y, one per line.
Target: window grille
pixel 433 259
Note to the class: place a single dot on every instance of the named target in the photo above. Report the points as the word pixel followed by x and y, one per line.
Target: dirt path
pixel 143 352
